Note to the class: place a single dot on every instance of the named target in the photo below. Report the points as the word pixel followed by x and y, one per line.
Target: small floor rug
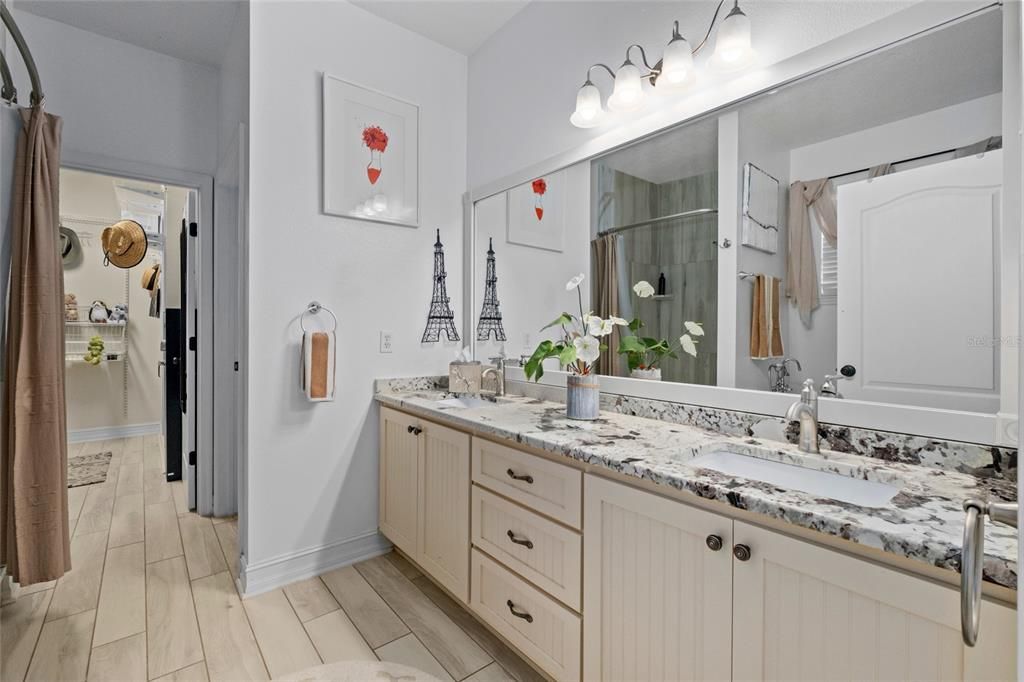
pixel 88 469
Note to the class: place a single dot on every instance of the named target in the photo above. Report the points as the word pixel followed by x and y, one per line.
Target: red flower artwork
pixel 540 186
pixel 376 140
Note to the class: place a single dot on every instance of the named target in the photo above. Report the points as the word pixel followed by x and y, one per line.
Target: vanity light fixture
pixel 674 71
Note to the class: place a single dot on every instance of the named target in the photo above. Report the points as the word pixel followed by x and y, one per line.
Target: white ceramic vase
pixel 653 374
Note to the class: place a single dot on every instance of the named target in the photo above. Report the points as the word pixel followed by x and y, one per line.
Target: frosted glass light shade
pixel 732 45
pixel 588 107
pixel 628 94
pixel 676 65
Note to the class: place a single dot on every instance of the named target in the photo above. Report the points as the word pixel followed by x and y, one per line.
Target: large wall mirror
pixel 848 227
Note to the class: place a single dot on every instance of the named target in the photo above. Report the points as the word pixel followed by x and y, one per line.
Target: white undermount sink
pixel 823 484
pixel 464 402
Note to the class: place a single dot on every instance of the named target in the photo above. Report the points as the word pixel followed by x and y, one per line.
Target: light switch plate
pixel 385 342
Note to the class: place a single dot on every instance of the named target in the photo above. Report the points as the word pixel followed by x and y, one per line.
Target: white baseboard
pixel 281 570
pixel 108 432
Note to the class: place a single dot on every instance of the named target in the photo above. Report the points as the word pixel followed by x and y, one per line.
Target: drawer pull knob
pixel 519 614
pixel 526 478
pixel 714 542
pixel 415 430
pixel 741 552
pixel 528 544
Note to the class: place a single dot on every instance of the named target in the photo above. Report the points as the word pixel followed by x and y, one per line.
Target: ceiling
pixel 462 25
pixel 195 31
pixel 939 69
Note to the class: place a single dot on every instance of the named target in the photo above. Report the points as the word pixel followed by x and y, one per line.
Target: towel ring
pixel 312 309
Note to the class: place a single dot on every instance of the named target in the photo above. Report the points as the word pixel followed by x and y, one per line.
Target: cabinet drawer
pixel 547 632
pixel 546 487
pixel 540 550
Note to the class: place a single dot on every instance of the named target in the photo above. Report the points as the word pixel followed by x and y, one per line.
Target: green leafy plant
pixel 646 352
pixel 579 344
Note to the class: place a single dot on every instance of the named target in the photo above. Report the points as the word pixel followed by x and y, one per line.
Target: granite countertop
pixel 924 521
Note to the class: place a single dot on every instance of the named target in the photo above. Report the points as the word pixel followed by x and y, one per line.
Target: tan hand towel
pixel 765 333
pixel 318 366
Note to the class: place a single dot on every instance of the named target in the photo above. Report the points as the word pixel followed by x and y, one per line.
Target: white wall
pixel 523 80
pixel 312 491
pixel 121 101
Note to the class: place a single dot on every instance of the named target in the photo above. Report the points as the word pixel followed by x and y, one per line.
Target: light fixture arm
pixel 643 57
pixel 712 26
pixel 600 66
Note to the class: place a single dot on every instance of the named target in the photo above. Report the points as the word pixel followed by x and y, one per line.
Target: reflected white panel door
pixel 918 285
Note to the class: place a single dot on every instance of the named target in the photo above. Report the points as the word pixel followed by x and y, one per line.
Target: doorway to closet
pixel 130 324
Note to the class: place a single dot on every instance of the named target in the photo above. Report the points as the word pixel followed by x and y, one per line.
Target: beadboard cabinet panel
pixel 803 612
pixel 399 479
pixel 444 507
pixel 540 550
pixel 657 600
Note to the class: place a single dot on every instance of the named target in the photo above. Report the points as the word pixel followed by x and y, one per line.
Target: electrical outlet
pixel 385 342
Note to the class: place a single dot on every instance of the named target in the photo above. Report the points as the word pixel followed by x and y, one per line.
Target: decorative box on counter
pixel 464 377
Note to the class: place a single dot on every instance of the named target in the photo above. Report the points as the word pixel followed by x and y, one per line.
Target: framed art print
pixel 536 212
pixel 370 155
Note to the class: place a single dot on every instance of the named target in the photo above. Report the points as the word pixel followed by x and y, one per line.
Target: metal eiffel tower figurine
pixel 440 317
pixel 490 315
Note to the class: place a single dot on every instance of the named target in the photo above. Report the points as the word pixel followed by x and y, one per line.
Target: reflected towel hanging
pixel 765 332
pixel 318 366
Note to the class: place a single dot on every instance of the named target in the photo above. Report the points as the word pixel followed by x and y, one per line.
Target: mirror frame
pixel 990 429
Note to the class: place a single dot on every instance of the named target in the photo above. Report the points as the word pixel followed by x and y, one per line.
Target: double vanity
pixel 632 548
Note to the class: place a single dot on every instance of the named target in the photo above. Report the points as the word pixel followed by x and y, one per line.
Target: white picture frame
pixel 370 154
pixel 760 209
pixel 537 218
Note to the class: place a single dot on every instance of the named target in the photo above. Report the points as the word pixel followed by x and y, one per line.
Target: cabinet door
pixel 444 507
pixel 657 600
pixel 399 490
pixel 803 612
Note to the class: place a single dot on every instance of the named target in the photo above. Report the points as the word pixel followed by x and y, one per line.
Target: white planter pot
pixel 650 374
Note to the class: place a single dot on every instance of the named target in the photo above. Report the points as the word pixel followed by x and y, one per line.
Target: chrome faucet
pixel 498 371
pixel 805 411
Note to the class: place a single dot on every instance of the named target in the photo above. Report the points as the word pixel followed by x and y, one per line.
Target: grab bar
pixel 26 55
pixel 972 558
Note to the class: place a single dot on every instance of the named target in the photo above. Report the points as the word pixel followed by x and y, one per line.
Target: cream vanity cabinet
pixel 593 579
pixel 424 496
pixel 674 592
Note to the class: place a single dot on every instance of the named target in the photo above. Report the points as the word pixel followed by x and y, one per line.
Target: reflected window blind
pixel 828 273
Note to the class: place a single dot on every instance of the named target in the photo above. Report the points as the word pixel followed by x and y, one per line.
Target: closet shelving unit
pixel 77 335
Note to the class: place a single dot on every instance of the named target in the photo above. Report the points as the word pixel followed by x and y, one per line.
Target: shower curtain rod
pixel 26 55
pixel 663 219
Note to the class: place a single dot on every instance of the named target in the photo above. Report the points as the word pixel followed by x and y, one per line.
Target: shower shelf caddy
pixel 78 333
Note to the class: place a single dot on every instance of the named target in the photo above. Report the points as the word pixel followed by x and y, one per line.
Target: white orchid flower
pixel 598 327
pixel 619 321
pixel 643 289
pixel 587 348
pixel 574 282
pixel 694 328
pixel 688 344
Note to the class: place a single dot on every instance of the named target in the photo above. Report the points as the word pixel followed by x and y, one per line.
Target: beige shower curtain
pixel 34 542
pixel 605 266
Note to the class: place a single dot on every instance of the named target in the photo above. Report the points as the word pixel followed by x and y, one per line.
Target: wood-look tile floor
pixel 152 596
